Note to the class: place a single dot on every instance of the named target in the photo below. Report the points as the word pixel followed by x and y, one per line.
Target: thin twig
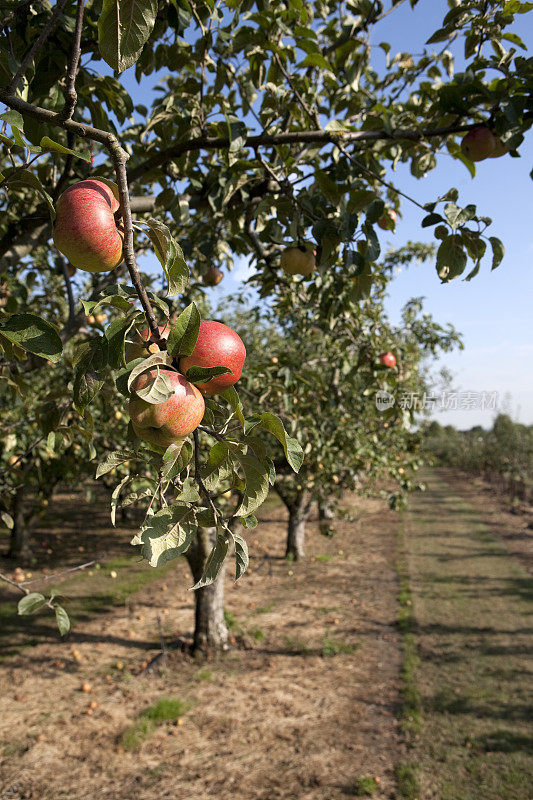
pixel 70 293
pixel 71 97
pixel 38 43
pixel 57 575
pixel 14 583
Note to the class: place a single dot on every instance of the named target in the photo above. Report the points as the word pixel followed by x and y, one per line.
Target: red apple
pixel 478 144
pixel 85 230
pixel 134 347
pixel 299 260
pixel 388 360
pixel 213 276
pixel 387 221
pixel 499 148
pixel 217 346
pixel 169 422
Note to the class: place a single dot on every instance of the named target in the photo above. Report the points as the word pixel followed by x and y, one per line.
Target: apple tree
pixel 270 129
pixel 324 378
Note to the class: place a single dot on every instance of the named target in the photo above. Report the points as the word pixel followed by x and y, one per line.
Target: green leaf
pixel 234 400
pixel 451 258
pixel 184 333
pixel 86 387
pixel 112 460
pixel 241 555
pixel 116 496
pixel 431 219
pixel 167 534
pixel 54 147
pixel 155 360
pixel 498 251
pixel 115 335
pixel 24 177
pixel 293 450
pixel 256 483
pixel 30 603
pixel 170 256
pixel 214 562
pixel 33 334
pixel 124 29
pixel 7 519
pixel 205 374
pixel 175 459
pixel 157 390
pixel 249 522
pixel 62 619
pixel 216 459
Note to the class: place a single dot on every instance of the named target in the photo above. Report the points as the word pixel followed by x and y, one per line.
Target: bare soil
pixel 274 718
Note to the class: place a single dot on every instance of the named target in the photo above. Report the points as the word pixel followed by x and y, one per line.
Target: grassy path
pixel 471 608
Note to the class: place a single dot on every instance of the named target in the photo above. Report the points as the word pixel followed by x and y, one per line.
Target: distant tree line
pixel 502 455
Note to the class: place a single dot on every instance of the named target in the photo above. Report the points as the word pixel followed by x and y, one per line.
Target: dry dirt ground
pixel 280 716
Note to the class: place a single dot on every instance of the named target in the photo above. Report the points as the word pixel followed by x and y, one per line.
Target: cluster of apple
pixel 169 422
pixel 481 143
pixel 86 232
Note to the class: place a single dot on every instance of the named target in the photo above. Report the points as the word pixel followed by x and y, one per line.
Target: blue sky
pixel 494 310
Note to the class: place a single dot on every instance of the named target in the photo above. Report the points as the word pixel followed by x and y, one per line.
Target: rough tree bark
pixel 19 544
pixel 210 631
pixel 299 507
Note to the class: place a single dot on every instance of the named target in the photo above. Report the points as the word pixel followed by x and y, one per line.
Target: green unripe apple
pixel 299 260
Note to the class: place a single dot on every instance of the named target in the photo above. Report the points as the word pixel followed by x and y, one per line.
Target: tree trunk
pixel 19 545
pixel 325 512
pixel 298 513
pixel 210 631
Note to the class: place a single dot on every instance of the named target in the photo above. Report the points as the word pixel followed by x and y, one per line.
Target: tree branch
pixel 71 97
pixel 119 158
pixel 291 137
pixel 36 46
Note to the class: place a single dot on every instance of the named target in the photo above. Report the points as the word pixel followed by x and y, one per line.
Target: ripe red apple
pixel 299 260
pixel 134 347
pixel 71 270
pixel 169 422
pixel 85 230
pixel 387 221
pixel 213 276
pixel 388 360
pixel 478 144
pixel 217 346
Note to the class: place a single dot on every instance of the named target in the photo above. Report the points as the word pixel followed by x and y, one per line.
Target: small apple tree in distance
pixel 270 130
pixel 324 379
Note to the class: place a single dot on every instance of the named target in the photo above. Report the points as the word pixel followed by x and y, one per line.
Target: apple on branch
pixel 134 347
pixel 387 221
pixel 217 346
pixel 171 421
pixel 478 144
pixel 213 276
pixel 388 360
pixel 85 230
pixel 299 260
